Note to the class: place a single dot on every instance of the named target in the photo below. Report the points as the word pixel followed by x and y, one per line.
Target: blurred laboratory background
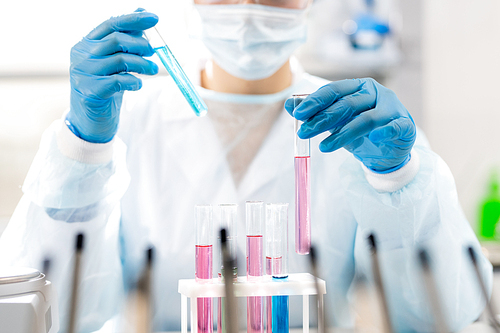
pixel 441 57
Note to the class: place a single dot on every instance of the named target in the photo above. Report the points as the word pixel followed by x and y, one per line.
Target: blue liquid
pixel 280 311
pixel 280 314
pixel 180 78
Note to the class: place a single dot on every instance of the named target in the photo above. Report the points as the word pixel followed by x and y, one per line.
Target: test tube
pixel 302 187
pixel 277 264
pixel 227 213
pixel 176 72
pixel 203 266
pixel 254 231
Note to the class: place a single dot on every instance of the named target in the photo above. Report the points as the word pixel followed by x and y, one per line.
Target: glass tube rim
pixel 255 225
pixel 203 226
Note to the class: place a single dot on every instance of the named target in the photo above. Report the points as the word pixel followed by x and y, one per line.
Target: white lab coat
pixel 141 189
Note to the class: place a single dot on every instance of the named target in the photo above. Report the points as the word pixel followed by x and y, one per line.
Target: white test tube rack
pixel 297 284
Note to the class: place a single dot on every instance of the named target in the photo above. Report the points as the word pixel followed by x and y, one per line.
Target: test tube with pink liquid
pixel 254 231
pixel 302 187
pixel 203 263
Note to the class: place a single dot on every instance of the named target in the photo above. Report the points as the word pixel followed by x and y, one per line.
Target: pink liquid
pixel 203 273
pixel 254 257
pixel 273 266
pixel 302 205
pixel 219 310
pixel 269 306
pixel 255 306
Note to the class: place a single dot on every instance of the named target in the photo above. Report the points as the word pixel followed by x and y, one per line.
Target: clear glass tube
pixel 254 231
pixel 176 72
pixel 227 220
pixel 277 240
pixel 203 263
pixel 277 264
pixel 302 187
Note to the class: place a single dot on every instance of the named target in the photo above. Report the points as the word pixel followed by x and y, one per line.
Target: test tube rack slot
pixel 299 284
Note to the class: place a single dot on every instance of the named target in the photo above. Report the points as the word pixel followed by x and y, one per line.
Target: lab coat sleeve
pixel 424 213
pixel 72 186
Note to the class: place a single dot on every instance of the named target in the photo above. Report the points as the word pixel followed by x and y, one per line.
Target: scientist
pixel 128 170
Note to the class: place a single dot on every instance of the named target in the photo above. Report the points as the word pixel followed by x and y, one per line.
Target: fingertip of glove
pixel 138 85
pixel 323 148
pixel 303 135
pixel 147 17
pixel 151 19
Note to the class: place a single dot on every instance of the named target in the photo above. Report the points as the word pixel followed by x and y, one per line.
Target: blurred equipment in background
pixel 313 259
pixel 231 308
pixel 73 310
pixel 437 313
pixel 28 303
pixel 379 284
pixel 490 209
pixel 366 31
pixel 490 309
pixel 139 311
pixel 352 38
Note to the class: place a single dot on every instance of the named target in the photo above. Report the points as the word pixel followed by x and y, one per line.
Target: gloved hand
pixel 99 73
pixel 362 116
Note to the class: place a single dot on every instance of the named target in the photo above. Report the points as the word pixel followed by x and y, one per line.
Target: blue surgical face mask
pixel 251 41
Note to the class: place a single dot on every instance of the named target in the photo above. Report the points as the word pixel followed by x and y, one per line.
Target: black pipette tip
pixel 372 242
pixel 150 255
pixel 46 266
pixel 79 242
pixel 312 253
pixel 472 254
pixel 223 236
pixel 424 259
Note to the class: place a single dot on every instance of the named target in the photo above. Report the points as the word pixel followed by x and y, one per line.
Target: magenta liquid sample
pixel 203 273
pixel 255 305
pixel 302 205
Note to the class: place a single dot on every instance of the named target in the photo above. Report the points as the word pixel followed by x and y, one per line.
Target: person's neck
pixel 215 78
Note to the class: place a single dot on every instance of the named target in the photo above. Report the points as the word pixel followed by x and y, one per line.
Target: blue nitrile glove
pixel 99 73
pixel 364 117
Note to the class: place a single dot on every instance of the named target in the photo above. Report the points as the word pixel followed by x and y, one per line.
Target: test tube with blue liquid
pixel 277 264
pixel 176 72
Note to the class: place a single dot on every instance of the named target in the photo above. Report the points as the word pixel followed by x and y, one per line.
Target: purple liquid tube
pixel 302 204
pixel 203 264
pixel 254 226
pixel 255 306
pixel 302 188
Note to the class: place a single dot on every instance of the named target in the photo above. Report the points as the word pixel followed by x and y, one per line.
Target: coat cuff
pixel 80 150
pixel 396 180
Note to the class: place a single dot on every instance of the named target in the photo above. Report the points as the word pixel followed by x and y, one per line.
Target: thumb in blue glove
pixel 100 73
pixel 362 116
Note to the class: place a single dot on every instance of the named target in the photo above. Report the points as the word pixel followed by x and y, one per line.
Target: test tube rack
pixel 296 284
